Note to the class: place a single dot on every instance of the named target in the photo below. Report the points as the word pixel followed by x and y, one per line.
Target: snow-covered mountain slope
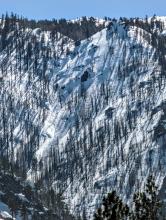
pixel 18 201
pixel 86 117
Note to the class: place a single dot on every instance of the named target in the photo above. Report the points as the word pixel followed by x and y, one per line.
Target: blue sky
pixel 69 9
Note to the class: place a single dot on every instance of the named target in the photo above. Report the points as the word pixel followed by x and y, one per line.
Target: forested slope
pixel 84 114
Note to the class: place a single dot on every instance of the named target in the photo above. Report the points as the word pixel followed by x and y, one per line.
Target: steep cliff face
pixel 86 117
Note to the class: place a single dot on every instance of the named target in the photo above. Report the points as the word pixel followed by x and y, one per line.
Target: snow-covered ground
pixel 103 100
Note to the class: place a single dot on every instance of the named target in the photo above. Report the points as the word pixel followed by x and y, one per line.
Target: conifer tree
pixel 146 204
pixel 112 209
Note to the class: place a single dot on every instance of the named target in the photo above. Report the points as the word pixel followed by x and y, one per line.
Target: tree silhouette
pixel 147 204
pixel 112 208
